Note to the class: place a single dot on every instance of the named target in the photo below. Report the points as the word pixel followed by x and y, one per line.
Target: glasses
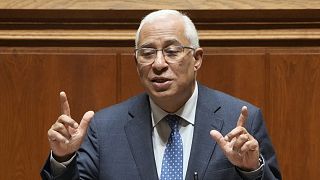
pixel 172 54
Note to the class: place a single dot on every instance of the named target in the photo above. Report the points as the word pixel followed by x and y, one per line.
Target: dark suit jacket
pixel 118 145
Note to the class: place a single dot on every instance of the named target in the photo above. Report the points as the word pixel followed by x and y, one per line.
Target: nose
pixel 159 63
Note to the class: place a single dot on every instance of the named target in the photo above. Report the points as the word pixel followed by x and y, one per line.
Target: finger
pixel 235 133
pixel 217 136
pixel 249 146
pixel 67 121
pixel 65 109
pixel 60 128
pixel 54 136
pixel 86 120
pixel 243 116
pixel 240 141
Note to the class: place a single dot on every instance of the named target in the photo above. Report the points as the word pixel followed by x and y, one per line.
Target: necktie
pixel 172 163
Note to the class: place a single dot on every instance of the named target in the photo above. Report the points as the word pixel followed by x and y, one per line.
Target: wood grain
pixel 165 4
pixel 129 82
pixel 284 82
pixel 129 35
pixel 30 85
pixel 293 116
pixel 237 71
pixel 85 48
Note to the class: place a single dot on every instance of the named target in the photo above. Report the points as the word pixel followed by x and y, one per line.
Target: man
pixel 172 130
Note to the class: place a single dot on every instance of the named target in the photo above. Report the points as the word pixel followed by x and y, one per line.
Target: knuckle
pixel 61 117
pixel 64 119
pixel 244 137
pixel 58 126
pixel 242 129
pixel 50 132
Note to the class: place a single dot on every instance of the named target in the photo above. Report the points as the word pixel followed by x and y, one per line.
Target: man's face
pixel 168 81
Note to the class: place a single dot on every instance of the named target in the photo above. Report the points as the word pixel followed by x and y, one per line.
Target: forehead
pixel 163 31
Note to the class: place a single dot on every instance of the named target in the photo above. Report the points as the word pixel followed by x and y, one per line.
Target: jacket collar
pixel 139 134
pixel 208 117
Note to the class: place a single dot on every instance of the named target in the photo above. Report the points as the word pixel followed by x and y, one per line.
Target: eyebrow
pixel 166 43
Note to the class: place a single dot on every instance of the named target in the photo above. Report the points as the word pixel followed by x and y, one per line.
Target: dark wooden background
pixel 262 53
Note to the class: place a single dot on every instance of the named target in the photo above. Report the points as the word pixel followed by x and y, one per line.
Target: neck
pixel 170 104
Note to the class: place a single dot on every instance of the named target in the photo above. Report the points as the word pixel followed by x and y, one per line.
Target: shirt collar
pixel 187 111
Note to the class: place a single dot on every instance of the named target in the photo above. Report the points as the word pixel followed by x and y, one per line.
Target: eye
pixel 172 51
pixel 147 52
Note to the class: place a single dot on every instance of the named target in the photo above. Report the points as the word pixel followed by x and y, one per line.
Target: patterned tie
pixel 172 163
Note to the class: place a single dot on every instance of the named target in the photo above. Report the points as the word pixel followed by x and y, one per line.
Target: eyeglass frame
pixel 163 54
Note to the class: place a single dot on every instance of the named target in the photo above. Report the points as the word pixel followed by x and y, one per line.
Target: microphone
pixel 195 175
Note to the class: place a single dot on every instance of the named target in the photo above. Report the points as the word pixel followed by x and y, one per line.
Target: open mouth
pixel 159 80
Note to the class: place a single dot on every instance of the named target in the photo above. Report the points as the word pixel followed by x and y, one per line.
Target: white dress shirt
pixel 161 129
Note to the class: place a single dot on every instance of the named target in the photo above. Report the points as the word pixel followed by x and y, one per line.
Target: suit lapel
pixel 208 117
pixel 139 134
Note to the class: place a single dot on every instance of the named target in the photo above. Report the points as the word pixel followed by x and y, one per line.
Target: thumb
pixel 86 120
pixel 217 136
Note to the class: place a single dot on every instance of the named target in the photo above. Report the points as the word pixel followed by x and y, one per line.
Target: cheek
pixel 184 68
pixel 142 71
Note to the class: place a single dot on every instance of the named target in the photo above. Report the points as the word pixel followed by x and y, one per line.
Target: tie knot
pixel 173 121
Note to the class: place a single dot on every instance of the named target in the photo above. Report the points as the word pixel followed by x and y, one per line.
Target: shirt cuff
pixel 58 168
pixel 255 173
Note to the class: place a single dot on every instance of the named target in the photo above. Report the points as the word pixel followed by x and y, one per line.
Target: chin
pixel 162 95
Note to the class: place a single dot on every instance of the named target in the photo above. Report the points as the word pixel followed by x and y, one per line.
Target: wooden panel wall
pixel 267 53
pixel 164 4
pixel 30 82
pixel 284 82
pixel 294 111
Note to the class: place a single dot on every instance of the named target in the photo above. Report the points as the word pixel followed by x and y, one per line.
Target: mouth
pixel 160 80
pixel 161 83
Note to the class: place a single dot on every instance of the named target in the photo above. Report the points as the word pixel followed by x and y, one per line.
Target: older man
pixel 172 130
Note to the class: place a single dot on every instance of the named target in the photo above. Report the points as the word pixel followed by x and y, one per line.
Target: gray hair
pixel 190 30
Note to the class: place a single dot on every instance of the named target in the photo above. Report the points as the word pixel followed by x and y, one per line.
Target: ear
pixel 198 53
pixel 135 60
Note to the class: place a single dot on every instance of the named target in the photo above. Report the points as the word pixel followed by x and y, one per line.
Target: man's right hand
pixel 65 135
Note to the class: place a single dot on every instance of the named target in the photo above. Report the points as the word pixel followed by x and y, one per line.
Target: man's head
pixel 168 57
pixel 190 30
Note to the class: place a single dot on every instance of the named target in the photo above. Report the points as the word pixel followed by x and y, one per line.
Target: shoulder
pixel 229 107
pixel 118 113
pixel 225 103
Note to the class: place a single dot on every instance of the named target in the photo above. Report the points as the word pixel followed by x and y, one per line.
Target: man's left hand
pixel 241 148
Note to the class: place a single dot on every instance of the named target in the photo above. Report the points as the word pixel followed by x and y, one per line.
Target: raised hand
pixel 66 135
pixel 241 148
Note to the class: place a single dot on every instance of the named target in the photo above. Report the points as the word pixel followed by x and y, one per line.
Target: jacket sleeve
pixel 259 131
pixel 84 165
pixel 71 171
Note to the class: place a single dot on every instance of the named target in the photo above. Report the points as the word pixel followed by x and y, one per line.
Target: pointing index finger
pixel 65 109
pixel 243 116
